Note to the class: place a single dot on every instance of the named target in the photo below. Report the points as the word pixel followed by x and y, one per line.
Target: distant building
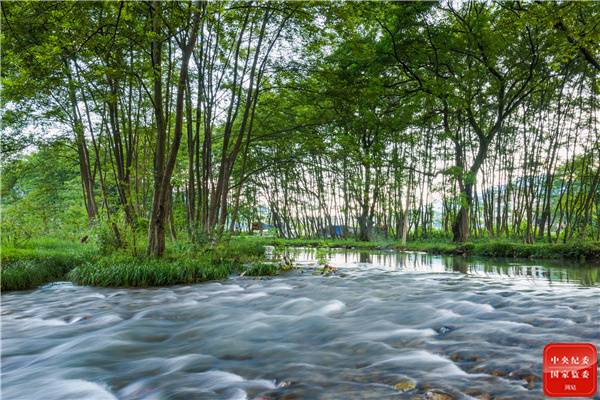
pixel 337 231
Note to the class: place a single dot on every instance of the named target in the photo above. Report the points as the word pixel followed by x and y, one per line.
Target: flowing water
pixel 466 328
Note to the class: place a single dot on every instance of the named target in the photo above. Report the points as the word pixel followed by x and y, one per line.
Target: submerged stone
pixel 478 394
pixel 526 376
pixel 405 385
pixel 438 395
pixel 444 329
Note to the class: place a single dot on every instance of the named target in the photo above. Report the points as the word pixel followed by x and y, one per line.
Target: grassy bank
pixel 42 262
pixel 47 261
pixel 580 251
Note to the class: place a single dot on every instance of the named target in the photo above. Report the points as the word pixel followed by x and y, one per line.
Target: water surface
pixel 467 328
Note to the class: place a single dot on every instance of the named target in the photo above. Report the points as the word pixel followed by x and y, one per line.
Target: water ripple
pixel 418 319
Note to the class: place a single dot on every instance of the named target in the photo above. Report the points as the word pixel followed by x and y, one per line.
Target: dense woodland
pixel 150 122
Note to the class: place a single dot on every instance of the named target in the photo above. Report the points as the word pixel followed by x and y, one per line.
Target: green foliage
pixel 485 247
pixel 28 274
pixel 571 250
pixel 124 271
pixel 38 200
pixel 39 263
pixel 183 265
pixel 321 256
pixel 105 239
pixel 434 246
pixel 190 265
pixel 129 239
pixel 237 251
pixel 262 269
pixel 381 96
pixel 43 261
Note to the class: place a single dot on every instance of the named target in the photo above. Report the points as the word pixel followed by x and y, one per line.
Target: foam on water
pixel 62 389
pixel 380 319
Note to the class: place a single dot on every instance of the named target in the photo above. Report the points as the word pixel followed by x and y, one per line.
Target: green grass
pixel 46 261
pixel 28 274
pixel 39 262
pixel 262 269
pixel 582 251
pixel 190 265
pixel 573 250
pixel 123 271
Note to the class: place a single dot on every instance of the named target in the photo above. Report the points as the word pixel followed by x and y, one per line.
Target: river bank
pixel 578 251
pixel 46 261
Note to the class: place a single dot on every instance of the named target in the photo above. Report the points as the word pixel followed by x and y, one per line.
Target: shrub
pixel 106 239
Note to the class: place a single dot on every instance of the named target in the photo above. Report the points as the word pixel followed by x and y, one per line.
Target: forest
pixel 289 200
pixel 142 126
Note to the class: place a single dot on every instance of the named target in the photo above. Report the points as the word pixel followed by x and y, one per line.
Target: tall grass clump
pixel 45 261
pixel 262 269
pixel 26 269
pixel 123 271
pixel 23 275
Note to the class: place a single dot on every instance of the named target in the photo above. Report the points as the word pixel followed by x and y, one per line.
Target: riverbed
pixel 378 325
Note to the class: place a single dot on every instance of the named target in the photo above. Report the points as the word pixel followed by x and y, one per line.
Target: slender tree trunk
pixel 87 181
pixel 164 170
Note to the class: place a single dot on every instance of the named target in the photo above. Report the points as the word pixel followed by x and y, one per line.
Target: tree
pixel 165 163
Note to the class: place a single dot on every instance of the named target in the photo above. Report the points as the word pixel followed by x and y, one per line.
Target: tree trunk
pixel 363 221
pixel 87 181
pixel 461 226
pixel 163 171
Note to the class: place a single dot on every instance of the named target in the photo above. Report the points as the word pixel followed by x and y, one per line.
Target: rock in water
pixel 405 385
pixel 444 329
pixel 269 252
pixel 478 394
pixel 438 395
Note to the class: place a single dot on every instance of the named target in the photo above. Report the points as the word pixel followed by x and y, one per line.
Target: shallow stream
pixel 378 325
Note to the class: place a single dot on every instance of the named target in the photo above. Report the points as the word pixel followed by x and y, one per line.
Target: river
pixel 382 325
